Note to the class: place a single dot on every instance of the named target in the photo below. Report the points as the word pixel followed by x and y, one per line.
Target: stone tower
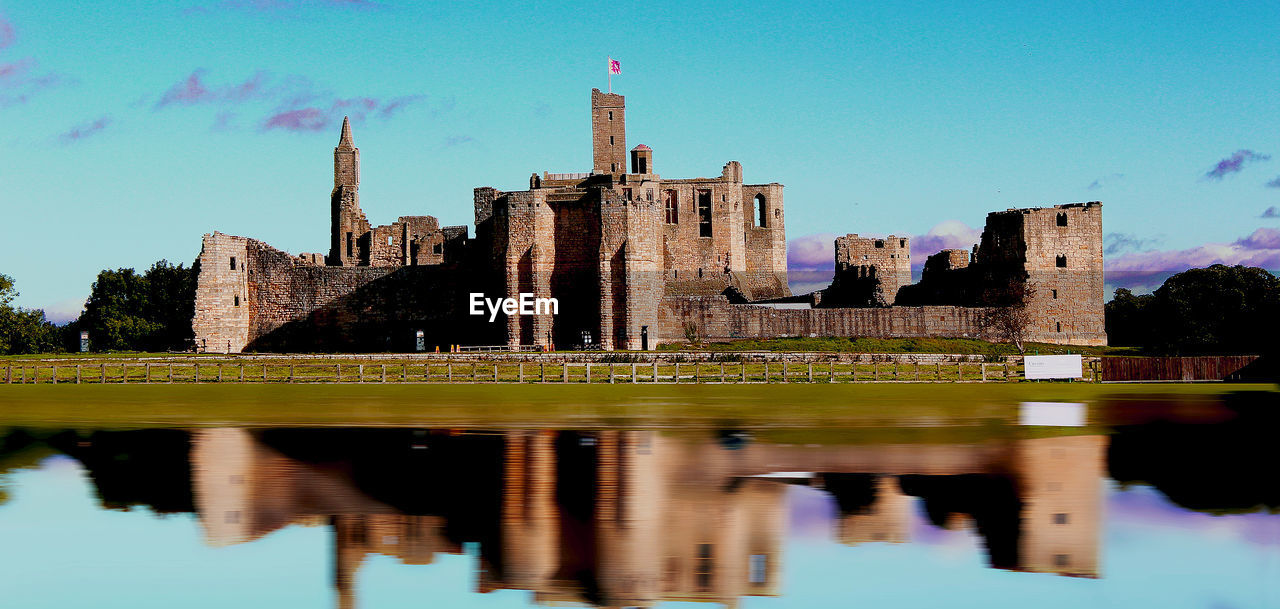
pixel 1054 256
pixel 870 271
pixel 608 132
pixel 348 222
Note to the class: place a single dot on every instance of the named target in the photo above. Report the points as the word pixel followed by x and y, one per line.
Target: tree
pixel 1127 318
pixel 149 312
pixel 24 330
pixel 1006 317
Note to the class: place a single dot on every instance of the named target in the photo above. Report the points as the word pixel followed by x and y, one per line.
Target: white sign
pixel 1052 414
pixel 1052 367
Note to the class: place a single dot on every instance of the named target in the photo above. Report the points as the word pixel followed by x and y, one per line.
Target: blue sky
pixel 133 127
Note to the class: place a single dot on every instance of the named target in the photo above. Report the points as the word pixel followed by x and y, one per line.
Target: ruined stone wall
pixel 1057 252
pixel 869 271
pixel 277 302
pixel 631 282
pixel 718 320
pixel 221 321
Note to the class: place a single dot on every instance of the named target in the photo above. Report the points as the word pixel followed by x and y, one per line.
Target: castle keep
pixel 634 260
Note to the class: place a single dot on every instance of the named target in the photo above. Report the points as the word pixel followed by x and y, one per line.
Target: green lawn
pixel 780 406
pixel 962 346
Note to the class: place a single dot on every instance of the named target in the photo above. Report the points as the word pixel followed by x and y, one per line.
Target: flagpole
pixel 610 70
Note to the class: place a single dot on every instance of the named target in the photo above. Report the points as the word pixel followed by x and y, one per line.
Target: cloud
pixel 1234 163
pixel 457 140
pixel 18 80
pixel 193 90
pixel 64 311
pixel 317 118
pixel 1147 270
pixel 1100 182
pixel 288 103
pixel 85 130
pixel 946 235
pixel 1114 243
pixel 6 33
pixel 1273 211
pixel 393 106
pixel 1274 184
pixel 811 252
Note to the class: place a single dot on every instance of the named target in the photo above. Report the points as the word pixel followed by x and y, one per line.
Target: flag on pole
pixel 615 66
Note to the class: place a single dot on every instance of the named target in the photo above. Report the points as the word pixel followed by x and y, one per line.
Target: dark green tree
pixel 1218 309
pixel 24 330
pixel 148 312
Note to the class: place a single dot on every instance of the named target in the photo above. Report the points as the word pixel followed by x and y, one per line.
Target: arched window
pixel 762 213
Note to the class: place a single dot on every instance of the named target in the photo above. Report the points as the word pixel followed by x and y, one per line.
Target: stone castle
pixel 634 260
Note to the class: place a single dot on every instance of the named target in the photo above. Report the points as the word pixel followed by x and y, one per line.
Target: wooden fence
pixel 1206 368
pixel 124 372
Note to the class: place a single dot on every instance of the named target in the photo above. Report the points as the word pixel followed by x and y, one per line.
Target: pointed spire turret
pixel 345 142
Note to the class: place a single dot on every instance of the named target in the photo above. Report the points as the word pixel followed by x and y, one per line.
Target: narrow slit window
pixel 1062 262
pixel 671 206
pixel 237 300
pixel 761 212
pixel 233 263
pixel 1062 219
pixel 704 213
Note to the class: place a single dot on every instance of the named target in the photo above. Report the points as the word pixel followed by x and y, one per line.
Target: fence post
pixel 1006 371
pixel 611 373
pixel 766 371
pixel 831 371
pixel 77 374
pixel 784 371
pixel 404 374
pixel 939 372
pixel 542 372
pixel 495 373
pixel 565 378
pixel 875 371
pixel 241 375
pixel 655 371
pixel 384 372
pixel 588 373
pixel 697 369
pixel 744 370
pixel 520 373
pixel 8 374
pixel 104 374
pixel 197 374
pixel 449 371
pixel 55 374
pixel 360 371
pixel 219 373
pixel 959 371
pixel 633 373
pixel 676 376
pixel 148 373
pixel 983 367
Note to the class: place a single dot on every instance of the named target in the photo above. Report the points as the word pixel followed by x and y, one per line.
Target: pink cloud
pixel 395 105
pixel 811 252
pixel 1261 249
pixel 85 130
pixel 946 235
pixel 1234 163
pixel 6 33
pixel 304 119
pixel 193 90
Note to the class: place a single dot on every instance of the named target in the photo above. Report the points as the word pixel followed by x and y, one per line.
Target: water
pixel 1152 502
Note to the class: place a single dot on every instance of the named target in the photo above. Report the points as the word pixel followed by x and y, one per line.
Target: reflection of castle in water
pixel 633 518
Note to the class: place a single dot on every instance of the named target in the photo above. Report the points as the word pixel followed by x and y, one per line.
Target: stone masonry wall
pixel 718 320
pixel 869 271
pixel 221 321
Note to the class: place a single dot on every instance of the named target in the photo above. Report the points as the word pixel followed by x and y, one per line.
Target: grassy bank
pixel 960 346
pixel 801 405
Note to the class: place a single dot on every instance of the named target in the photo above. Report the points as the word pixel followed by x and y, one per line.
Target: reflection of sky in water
pixel 64 551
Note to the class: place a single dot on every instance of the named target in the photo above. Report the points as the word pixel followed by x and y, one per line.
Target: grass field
pixel 779 406
pixel 959 346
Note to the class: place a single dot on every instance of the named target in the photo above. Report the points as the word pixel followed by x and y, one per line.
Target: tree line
pixel 1218 309
pixel 126 311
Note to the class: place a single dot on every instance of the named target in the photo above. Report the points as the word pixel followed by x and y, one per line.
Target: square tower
pixel 608 133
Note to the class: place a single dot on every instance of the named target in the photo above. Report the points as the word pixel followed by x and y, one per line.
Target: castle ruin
pixel 634 260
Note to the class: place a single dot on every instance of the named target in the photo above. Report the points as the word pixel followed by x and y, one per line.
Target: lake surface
pixel 1145 501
